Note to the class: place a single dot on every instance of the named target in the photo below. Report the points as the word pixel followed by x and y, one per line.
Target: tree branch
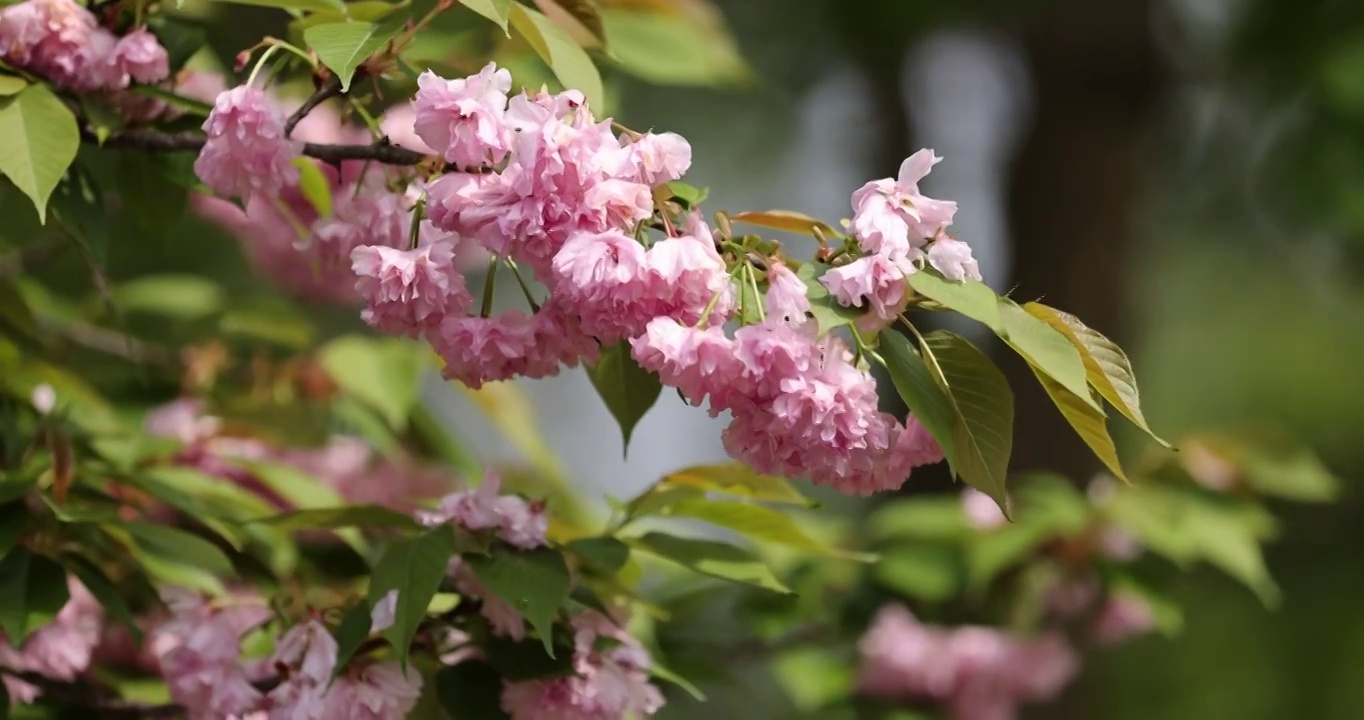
pixel 330 89
pixel 380 151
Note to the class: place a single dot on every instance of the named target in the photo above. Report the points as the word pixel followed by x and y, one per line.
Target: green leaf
pixel 606 554
pixel 382 373
pixel 628 390
pixel 34 589
pixel 352 632
pixel 1090 424
pixel 565 57
pixel 787 220
pixel 917 386
pixel 471 690
pixel 757 522
pixel 78 206
pixel 736 479
pixel 199 495
pixel 11 85
pixel 969 297
pixel 673 48
pixel 535 582
pixel 1188 525
pixel 923 571
pixel 41 140
pixel 344 46
pixel 182 297
pixel 1106 366
pixel 580 16
pixel 921 518
pixel 304 5
pixel 688 195
pixel 499 11
pixel 1046 350
pixel 984 408
pixel 331 518
pixel 414 567
pixel 1273 464
pixel 314 185
pixel 104 591
pixel 716 559
pixel 661 672
pixel 179 547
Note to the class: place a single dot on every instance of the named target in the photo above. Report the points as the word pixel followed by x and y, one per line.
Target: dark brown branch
pixel 189 141
pixel 330 89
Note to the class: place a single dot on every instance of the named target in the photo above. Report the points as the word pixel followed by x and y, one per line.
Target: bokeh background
pixel 1185 175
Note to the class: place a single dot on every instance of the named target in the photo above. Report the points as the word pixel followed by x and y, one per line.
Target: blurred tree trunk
pixel 1075 200
pixel 1076 192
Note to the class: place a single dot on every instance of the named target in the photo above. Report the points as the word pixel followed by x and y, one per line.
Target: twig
pixel 330 89
pixel 189 141
pixel 111 342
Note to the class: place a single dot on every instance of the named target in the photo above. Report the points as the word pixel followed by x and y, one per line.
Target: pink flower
pixel 62 41
pixel 380 691
pixel 478 350
pixel 139 56
pixel 607 684
pixel 698 362
pixel 246 151
pixel 952 258
pixel 198 650
pixel 619 203
pixel 462 119
pixel 602 276
pixel 384 612
pixel 307 656
pixel 687 275
pixel 786 294
pixel 982 512
pixel 1123 616
pixel 655 159
pixel 61 649
pixel 517 521
pixel 408 290
pixel 919 446
pixel 876 280
pixel 891 217
pixel 974 672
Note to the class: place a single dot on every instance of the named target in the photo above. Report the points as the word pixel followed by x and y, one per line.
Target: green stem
pixel 525 289
pixel 752 279
pixel 260 64
pixel 365 116
pixel 488 285
pixel 418 213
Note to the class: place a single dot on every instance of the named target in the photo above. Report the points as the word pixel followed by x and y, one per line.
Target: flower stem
pixel 418 213
pixel 489 284
pixel 525 289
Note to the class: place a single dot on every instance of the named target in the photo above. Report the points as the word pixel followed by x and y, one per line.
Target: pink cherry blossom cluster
pixel 199 654
pixel 59 650
pixel 800 404
pixel 546 188
pixel 346 464
pixel 897 228
pixel 973 672
pixel 610 680
pixel 247 155
pixel 64 42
